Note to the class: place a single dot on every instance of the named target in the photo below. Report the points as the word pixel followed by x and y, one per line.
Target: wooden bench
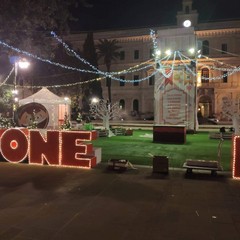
pixel 212 166
pixel 209 165
pixel 102 133
pixel 119 131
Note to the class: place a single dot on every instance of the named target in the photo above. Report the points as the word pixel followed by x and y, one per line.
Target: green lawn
pixel 137 148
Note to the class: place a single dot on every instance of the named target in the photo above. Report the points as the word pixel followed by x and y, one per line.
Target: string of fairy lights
pixel 111 74
pixel 8 76
pixel 98 71
pixel 228 72
pixel 160 65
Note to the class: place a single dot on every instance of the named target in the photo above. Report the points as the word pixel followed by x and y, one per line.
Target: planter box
pixel 160 164
pixel 169 134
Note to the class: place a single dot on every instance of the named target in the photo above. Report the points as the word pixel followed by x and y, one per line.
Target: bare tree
pixel 105 111
pixel 230 110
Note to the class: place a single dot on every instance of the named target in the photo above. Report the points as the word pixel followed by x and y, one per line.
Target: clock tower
pixel 187 17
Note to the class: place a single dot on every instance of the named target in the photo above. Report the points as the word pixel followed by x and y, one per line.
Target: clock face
pixel 187 23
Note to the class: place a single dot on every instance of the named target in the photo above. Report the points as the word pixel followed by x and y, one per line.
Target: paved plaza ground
pixel 41 203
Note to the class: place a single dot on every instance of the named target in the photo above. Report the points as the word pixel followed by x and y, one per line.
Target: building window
pixel 205 75
pixel 122 55
pixel 122 104
pixel 187 11
pixel 151 81
pixel 225 76
pixel 224 48
pixel 135 106
pixel 136 54
pixel 205 47
pixel 136 82
pixel 122 83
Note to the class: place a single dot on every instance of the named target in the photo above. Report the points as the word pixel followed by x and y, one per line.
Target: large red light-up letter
pixel 74 152
pixel 44 148
pixel 14 145
pixel 236 157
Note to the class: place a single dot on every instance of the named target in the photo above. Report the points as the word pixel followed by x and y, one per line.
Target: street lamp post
pixel 66 99
pixel 23 64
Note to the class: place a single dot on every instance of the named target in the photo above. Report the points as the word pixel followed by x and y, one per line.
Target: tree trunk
pixel 109 89
pixel 235 120
pixel 106 125
pixel 109 83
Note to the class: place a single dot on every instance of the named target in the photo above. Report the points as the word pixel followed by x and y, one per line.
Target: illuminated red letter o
pixel 14 145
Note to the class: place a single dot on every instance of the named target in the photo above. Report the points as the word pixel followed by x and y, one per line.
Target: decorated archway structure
pixel 175 86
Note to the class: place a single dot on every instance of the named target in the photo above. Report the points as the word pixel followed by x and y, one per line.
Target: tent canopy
pixel 44 96
pixel 57 107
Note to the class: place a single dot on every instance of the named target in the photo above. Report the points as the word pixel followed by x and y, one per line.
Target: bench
pixel 119 164
pixel 102 133
pixel 209 165
pixel 212 166
pixel 218 135
pixel 119 131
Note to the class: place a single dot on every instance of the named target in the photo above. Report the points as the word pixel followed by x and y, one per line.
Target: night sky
pixel 120 14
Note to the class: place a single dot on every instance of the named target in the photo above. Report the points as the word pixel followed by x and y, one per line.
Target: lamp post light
pixel 23 64
pixel 94 100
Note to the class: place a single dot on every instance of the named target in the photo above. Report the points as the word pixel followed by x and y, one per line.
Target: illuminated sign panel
pixel 57 148
pixel 236 157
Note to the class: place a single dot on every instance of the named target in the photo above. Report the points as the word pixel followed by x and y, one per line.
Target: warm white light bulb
pixel 168 52
pixel 191 50
pixel 158 53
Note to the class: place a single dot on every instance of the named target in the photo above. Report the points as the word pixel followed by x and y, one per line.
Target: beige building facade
pixel 217 70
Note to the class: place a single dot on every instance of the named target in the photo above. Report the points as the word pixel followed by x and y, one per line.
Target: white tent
pixel 56 106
